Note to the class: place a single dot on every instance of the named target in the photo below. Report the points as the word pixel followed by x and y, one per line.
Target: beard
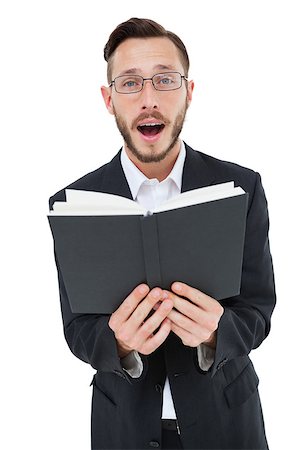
pixel 152 157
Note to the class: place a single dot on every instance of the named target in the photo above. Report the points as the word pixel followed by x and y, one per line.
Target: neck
pixel 159 170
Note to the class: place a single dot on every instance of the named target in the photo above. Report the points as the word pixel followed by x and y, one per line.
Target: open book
pixel 106 245
pixel 99 203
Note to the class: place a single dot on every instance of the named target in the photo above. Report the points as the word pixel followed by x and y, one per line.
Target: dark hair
pixel 142 28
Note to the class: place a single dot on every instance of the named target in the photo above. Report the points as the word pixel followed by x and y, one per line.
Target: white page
pixel 209 197
pixel 71 210
pixel 108 209
pixel 188 197
pixel 99 199
pixel 98 203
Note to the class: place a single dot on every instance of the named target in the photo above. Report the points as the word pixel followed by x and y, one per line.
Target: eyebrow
pixel 135 70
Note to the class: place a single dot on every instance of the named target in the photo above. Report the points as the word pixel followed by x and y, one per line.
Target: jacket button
pixel 179 374
pixel 154 444
pixel 222 363
pixel 120 374
pixel 158 388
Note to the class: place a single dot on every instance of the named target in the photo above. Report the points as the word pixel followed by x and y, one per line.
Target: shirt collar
pixel 136 178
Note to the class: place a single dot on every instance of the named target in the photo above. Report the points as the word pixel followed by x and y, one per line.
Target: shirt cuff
pixel 206 356
pixel 132 364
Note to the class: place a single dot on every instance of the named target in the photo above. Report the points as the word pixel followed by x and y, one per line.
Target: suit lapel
pixel 114 180
pixel 196 172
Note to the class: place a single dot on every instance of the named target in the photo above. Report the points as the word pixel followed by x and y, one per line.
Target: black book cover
pixel 103 258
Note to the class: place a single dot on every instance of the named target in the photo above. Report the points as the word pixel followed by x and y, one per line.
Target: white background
pixel 55 128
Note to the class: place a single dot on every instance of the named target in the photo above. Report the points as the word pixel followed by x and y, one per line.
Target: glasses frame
pixel 149 79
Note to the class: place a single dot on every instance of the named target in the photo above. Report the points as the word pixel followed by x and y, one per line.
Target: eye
pixel 165 80
pixel 131 82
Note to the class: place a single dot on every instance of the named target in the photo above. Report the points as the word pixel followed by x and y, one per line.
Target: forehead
pixel 143 55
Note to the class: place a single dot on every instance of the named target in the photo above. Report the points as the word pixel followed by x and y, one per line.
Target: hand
pixel 132 331
pixel 195 323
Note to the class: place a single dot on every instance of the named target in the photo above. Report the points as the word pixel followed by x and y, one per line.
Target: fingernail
pixel 143 289
pixel 165 295
pixel 177 286
pixel 155 293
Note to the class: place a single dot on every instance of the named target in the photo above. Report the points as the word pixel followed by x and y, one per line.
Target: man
pixel 173 369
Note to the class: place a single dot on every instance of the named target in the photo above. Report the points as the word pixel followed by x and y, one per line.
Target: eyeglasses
pixel 130 84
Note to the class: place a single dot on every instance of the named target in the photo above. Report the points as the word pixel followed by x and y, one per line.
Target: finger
pixel 128 306
pixel 144 308
pixel 198 297
pixel 134 335
pixel 187 308
pixel 157 339
pixel 156 319
pixel 183 322
pixel 186 337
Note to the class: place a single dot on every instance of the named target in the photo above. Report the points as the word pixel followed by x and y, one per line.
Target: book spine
pixel 151 250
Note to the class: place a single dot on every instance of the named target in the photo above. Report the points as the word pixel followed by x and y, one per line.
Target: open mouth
pixel 151 129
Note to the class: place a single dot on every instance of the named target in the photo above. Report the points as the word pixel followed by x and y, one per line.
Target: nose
pixel 149 97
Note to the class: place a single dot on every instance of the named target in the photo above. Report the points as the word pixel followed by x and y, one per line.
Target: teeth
pixel 150 124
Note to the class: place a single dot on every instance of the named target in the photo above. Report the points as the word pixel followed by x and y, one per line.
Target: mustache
pixel 153 115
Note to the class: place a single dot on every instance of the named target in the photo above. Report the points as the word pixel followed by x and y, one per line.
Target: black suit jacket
pixel 218 409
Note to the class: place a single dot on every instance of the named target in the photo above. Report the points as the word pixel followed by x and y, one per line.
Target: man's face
pixel 147 57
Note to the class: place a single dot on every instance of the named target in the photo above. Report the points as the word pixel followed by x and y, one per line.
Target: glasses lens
pixel 128 84
pixel 167 81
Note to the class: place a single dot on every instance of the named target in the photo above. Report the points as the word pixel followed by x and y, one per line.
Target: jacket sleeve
pixel 89 336
pixel 245 322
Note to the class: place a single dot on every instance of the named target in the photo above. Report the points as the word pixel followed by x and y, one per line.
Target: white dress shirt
pixel 150 193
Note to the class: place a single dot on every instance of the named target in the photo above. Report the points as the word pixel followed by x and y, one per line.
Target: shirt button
pixel 154 444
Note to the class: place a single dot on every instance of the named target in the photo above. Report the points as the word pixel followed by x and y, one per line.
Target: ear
pixel 106 94
pixel 190 89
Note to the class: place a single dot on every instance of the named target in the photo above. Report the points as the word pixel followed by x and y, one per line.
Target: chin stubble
pixel 152 156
